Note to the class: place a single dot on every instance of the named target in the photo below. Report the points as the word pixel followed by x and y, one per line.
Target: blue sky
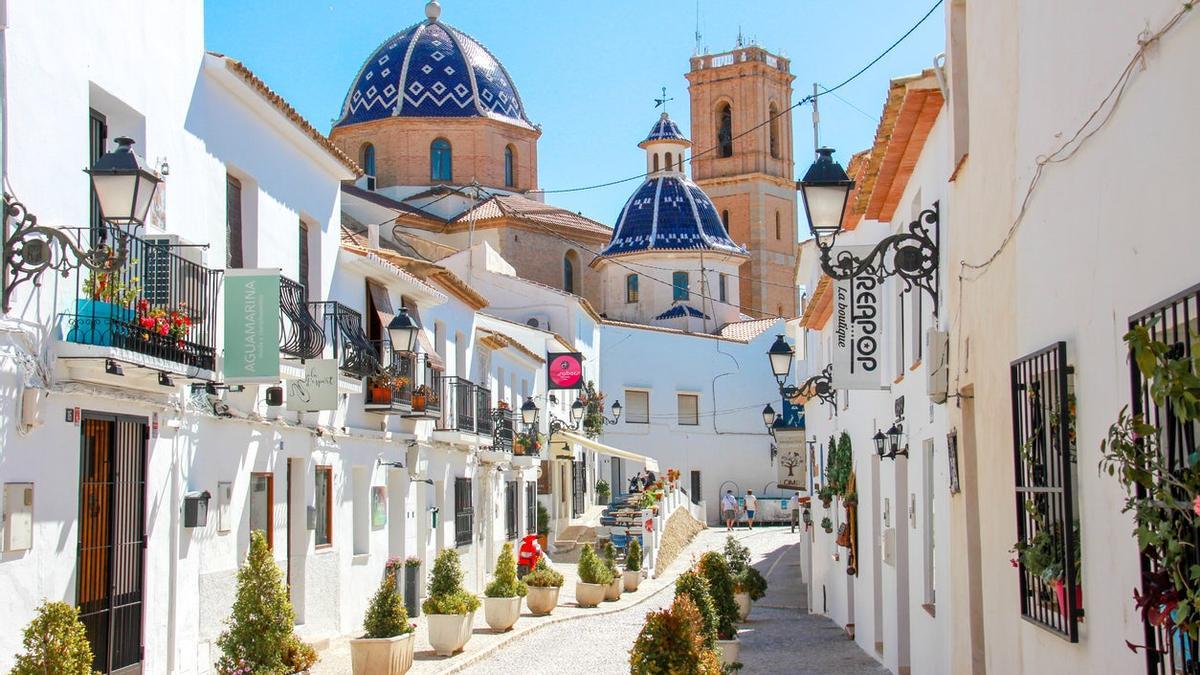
pixel 588 71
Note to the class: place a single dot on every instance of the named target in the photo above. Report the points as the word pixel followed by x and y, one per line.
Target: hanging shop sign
pixel 565 370
pixel 319 388
pixel 252 326
pixel 792 460
pixel 858 328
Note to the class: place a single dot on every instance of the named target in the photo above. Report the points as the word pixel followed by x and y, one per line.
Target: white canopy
pixel 650 463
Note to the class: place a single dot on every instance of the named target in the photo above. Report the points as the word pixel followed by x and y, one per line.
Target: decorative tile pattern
pixel 680 310
pixel 431 69
pixel 665 129
pixel 669 213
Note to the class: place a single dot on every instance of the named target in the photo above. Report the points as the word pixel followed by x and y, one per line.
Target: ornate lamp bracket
pixel 818 386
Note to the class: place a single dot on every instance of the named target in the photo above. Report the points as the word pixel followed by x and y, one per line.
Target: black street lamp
pixel 887 444
pixel 529 412
pixel 578 408
pixel 818 386
pixel 125 189
pixel 911 255
pixel 403 330
pixel 768 415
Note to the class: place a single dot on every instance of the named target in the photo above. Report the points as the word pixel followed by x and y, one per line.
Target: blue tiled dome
pixel 664 129
pixel 681 310
pixel 431 69
pixel 669 213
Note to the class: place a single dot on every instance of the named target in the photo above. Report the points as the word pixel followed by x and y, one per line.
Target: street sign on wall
pixel 252 326
pixel 318 389
pixel 858 328
pixel 565 371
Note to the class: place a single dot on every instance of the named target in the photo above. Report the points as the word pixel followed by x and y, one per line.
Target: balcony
pixel 343 330
pixel 159 309
pixel 391 389
pixel 427 395
pixel 300 333
pixel 466 406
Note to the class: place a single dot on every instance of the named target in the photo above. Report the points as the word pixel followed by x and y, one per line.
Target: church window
pixel 722 280
pixel 631 288
pixel 510 179
pixel 440 160
pixel 679 282
pixel 725 220
pixel 724 130
pixel 668 161
pixel 368 164
pixel 570 270
pixel 774 126
pixel 656 162
pixel 778 228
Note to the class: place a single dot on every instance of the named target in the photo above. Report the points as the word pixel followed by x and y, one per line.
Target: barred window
pixel 464 513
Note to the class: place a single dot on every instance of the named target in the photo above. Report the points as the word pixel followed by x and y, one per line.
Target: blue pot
pixel 96 322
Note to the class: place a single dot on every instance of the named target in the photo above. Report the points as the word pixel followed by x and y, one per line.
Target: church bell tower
pixel 749 173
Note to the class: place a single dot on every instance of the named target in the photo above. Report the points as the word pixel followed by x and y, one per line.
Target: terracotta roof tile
pixel 523 208
pixel 746 331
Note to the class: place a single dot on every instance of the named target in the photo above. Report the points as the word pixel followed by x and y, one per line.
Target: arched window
pixel 774 126
pixel 570 270
pixel 668 161
pixel 440 160
pixel 510 177
pixel 724 130
pixel 368 164
pixel 778 229
pixel 679 282
pixel 631 288
pixel 656 162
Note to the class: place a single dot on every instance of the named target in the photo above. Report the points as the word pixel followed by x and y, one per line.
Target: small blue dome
pixel 669 213
pixel 431 69
pixel 681 310
pixel 664 129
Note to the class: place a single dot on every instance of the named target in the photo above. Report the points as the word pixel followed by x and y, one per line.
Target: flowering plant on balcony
pixel 531 441
pixel 156 321
pixel 110 287
pixel 593 414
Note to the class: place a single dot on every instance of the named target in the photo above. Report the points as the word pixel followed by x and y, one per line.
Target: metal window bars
pixel 344 333
pixel 1174 323
pixel 1043 419
pixel 466 406
pixel 464 513
pixel 510 510
pixel 300 334
pixel 503 431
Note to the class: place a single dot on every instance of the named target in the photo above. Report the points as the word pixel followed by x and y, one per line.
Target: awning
pixel 382 304
pixel 650 463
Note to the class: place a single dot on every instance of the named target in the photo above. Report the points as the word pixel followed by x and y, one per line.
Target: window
pixel 510 510
pixel 233 222
pixel 97 139
pixel 303 255
pixel 570 272
pixel 510 176
pixel 368 164
pixel 656 168
pixel 773 114
pixel 637 407
pixel 668 162
pixel 631 288
pixel 689 409
pixel 464 514
pixel 531 507
pixel 725 220
pixel 778 227
pixel 324 506
pixel 927 524
pixel 262 501
pixel 721 292
pixel 440 160
pixel 900 335
pixel 679 283
pixel 362 510
pixel 724 130
pixel 697 494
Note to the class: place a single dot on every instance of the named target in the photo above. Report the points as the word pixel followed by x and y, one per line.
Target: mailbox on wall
pixel 195 509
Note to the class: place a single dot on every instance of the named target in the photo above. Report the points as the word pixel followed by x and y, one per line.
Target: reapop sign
pixel 857 328
pixel 252 326
pixel 565 371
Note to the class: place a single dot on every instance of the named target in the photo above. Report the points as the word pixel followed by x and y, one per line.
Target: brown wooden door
pixel 111 554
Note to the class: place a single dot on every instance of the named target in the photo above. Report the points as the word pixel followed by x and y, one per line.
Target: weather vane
pixel 663 101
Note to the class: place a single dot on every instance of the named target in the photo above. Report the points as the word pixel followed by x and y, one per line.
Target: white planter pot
pixel 448 633
pixel 743 605
pixel 589 595
pixel 728 650
pixel 501 613
pixel 383 656
pixel 632 580
pixel 541 600
pixel 613 592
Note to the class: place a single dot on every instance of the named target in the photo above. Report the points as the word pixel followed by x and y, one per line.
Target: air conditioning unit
pixel 539 321
pixel 938 369
pixel 172 273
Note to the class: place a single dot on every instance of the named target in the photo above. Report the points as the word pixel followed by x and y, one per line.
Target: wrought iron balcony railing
pixel 466 406
pixel 391 388
pixel 343 328
pixel 300 334
pixel 160 303
pixel 503 430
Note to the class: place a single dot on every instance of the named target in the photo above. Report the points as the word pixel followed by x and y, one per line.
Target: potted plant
pixel 720 586
pixel 258 635
pixel 163 325
pixel 420 396
pixel 694 586
pixel 594 578
pixel 528 443
pixel 647 502
pixel 593 414
pixel 633 564
pixel 850 500
pixel 543 525
pixel 671 641
pixel 386 647
pixel 502 604
pixel 609 553
pixel 55 642
pixel 749 585
pixel 603 491
pixel 542 588
pixel 450 608
pixel 107 301
pixel 825 494
pixel 380 389
pixel 1042 555
pixel 827 525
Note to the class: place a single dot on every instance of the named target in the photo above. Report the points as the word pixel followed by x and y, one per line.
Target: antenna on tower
pixel 697 27
pixel 740 42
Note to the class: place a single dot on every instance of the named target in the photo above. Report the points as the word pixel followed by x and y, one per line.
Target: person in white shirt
pixel 794 504
pixel 729 506
pixel 751 507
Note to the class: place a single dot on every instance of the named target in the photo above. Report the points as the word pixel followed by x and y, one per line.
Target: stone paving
pixel 780 637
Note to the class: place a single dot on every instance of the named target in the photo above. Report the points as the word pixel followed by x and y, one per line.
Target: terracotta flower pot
pixel 384 656
pixel 541 600
pixel 543 541
pixel 613 592
pixel 501 613
pixel 589 595
pixel 632 580
pixel 743 605
pixel 381 395
pixel 448 633
pixel 728 650
pixel 1060 590
pixel 418 402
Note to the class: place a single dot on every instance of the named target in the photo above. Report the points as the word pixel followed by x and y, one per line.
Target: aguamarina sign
pixel 858 328
pixel 252 326
pixel 565 370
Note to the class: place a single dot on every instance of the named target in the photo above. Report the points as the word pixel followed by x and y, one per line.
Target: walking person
pixel 729 507
pixel 751 507
pixel 794 504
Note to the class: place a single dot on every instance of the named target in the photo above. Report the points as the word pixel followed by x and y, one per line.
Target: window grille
pixel 464 514
pixel 510 510
pixel 530 507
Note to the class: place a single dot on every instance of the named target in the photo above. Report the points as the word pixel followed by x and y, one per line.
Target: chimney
pixel 373 236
